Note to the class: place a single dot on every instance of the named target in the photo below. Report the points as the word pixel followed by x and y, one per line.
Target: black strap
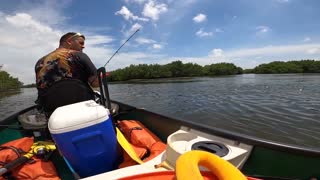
pixel 134 128
pixel 64 92
pixel 18 152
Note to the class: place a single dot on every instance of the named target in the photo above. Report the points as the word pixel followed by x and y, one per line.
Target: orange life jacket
pixel 29 171
pixel 143 141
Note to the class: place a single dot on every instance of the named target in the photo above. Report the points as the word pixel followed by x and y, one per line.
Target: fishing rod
pixel 121 47
pixel 104 92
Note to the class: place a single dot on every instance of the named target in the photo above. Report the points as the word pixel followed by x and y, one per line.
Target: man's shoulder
pixel 44 57
pixel 78 52
pixel 41 60
pixel 81 55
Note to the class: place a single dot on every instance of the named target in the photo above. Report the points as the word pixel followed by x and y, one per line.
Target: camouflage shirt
pixel 62 64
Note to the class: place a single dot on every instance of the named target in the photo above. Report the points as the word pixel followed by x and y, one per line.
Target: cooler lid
pixel 77 116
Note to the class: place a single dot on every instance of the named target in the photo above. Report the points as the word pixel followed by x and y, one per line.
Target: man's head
pixel 72 40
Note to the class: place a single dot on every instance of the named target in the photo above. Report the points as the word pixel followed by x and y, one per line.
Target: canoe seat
pixel 64 92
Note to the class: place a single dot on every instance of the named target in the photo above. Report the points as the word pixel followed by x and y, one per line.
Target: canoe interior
pixel 267 159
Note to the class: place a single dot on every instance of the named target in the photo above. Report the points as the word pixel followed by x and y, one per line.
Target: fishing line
pixel 121 47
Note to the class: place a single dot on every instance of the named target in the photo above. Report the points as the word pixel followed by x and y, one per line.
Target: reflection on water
pixel 12 102
pixel 8 93
pixel 278 107
pixel 283 108
pixel 159 81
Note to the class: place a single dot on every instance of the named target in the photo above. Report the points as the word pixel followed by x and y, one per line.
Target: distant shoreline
pixel 178 78
pixel 9 90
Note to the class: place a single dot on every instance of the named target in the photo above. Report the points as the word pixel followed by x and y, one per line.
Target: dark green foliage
pixel 222 69
pixel 173 69
pixel 248 71
pixel 8 82
pixel 278 67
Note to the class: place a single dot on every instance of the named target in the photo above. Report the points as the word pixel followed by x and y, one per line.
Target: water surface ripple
pixel 282 108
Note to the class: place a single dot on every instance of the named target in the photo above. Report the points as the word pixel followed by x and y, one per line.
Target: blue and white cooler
pixel 84 134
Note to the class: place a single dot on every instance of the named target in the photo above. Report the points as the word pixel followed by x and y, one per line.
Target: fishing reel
pixel 40 149
pixel 43 149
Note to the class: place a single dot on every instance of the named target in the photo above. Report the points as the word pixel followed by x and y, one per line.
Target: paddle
pixel 106 102
pixel 127 147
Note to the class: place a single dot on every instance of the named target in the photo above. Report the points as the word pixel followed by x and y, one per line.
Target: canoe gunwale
pixel 13 117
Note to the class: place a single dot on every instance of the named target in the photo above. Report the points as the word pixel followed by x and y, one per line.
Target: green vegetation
pixel 278 67
pixel 173 69
pixel 8 82
pixel 222 69
pixel 178 69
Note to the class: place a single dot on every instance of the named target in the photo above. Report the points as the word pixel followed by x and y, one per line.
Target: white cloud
pixel 23 41
pixel 251 57
pixel 178 10
pixel 307 39
pixel 25 37
pixel 133 29
pixel 246 57
pixel 23 20
pixel 127 15
pixel 157 46
pixel 200 18
pixel 142 40
pixel 262 29
pixel 125 59
pixel 315 50
pixel 98 40
pixel 202 33
pixel 216 53
pixel 153 10
pixel 275 50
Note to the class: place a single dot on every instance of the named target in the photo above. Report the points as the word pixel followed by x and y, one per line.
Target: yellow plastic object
pixel 44 145
pixel 127 147
pixel 187 166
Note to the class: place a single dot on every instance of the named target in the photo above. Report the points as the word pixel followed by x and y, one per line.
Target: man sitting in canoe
pixel 65 75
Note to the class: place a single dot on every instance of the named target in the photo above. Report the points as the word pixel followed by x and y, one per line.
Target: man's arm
pixel 94 81
pixel 90 69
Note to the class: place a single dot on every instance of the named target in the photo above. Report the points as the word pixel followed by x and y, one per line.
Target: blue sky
pixel 244 32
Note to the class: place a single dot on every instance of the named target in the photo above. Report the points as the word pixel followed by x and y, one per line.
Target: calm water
pixel 284 108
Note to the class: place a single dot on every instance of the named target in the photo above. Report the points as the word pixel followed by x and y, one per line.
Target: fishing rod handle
pixel 104 91
pixel 13 164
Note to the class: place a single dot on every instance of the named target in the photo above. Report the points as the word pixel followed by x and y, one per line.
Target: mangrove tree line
pixel 179 69
pixel 8 82
pixel 173 69
pixel 279 67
